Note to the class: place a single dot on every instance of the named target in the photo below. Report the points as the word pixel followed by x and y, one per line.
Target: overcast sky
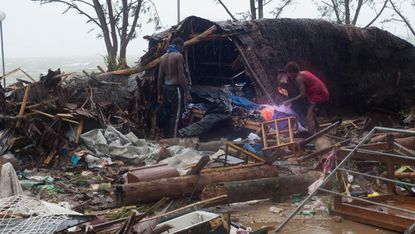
pixel 31 30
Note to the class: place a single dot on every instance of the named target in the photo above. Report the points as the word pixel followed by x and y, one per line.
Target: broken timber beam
pixel 198 38
pixel 273 187
pixel 199 166
pixel 320 133
pixel 176 187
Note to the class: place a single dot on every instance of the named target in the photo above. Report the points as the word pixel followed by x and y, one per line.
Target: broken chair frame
pixel 268 126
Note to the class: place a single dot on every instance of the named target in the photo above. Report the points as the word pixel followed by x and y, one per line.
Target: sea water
pixel 36 66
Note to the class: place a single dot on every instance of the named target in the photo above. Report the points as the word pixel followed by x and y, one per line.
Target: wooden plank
pixel 50 157
pixel 23 106
pixel 79 131
pixel 9 73
pixel 52 116
pixel 245 152
pixel 373 217
pixel 264 136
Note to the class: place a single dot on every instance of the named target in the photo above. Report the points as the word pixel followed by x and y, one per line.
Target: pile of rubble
pixel 65 150
pixel 41 120
pixel 85 141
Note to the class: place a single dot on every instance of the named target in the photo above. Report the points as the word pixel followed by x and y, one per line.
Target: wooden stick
pixel 9 73
pixel 51 116
pixel 130 221
pixel 65 76
pixel 42 103
pixel 79 130
pixel 23 106
pixel 213 200
pixel 195 170
pixel 156 61
pixel 50 157
pixel 64 115
pixel 28 76
pixel 246 152
pixel 200 37
pixel 100 68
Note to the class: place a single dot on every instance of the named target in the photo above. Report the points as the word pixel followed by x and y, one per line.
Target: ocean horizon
pixel 36 66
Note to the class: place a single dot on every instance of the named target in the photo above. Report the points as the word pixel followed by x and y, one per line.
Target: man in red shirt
pixel 310 86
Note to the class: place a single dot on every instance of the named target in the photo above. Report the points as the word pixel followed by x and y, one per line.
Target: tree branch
pixel 405 20
pixel 71 6
pixel 358 8
pixel 82 1
pixel 378 14
pixel 336 10
pixel 113 24
pixel 135 20
pixel 266 3
pixel 281 8
pixel 227 10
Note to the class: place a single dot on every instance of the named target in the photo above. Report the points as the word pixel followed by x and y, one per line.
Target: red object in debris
pixel 152 172
pixel 267 113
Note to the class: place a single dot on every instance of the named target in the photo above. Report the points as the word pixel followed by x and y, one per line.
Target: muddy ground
pixel 268 213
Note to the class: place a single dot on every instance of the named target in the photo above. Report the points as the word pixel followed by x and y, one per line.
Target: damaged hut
pixel 362 67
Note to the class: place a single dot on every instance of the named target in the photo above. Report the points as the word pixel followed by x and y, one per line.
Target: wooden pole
pixel 23 106
pixel 177 187
pixel 157 61
pixel 273 187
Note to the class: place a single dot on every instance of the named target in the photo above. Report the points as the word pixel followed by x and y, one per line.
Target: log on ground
pixel 273 187
pixel 181 186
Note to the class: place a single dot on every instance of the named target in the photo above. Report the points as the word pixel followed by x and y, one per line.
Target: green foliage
pixel 111 62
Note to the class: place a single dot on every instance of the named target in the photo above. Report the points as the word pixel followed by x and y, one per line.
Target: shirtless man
pixel 310 86
pixel 172 86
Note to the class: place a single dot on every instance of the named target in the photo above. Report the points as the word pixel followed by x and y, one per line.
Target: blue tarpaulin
pixel 243 102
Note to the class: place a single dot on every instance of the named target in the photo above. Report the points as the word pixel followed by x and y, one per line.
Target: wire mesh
pixel 23 214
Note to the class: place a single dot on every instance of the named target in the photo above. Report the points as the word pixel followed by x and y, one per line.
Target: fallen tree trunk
pixel 176 187
pixel 240 191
